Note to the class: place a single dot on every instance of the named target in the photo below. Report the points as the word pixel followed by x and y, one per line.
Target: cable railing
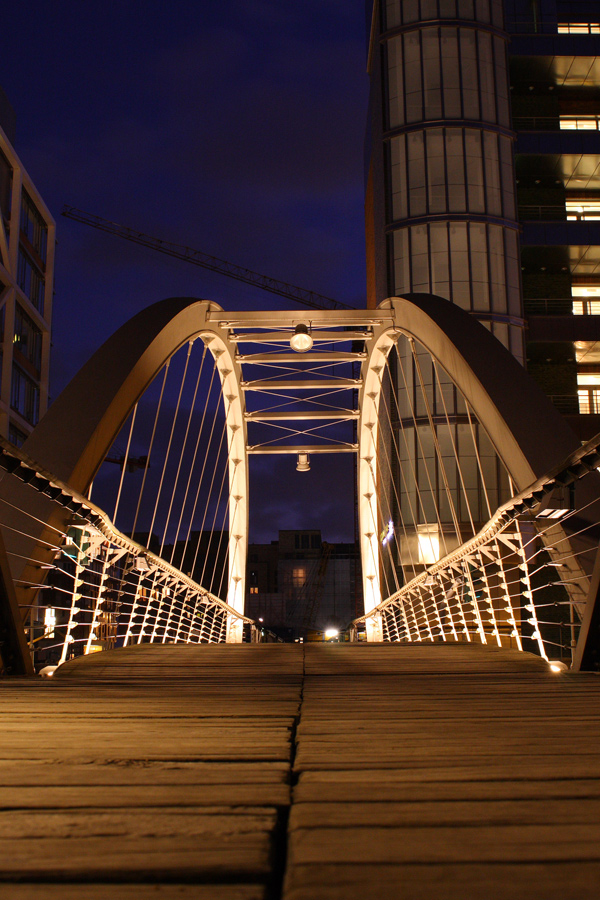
pixel 522 581
pixel 101 589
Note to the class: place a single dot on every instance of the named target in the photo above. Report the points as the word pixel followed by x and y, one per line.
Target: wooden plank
pixel 136 891
pixel 432 771
pixel 452 772
pixel 493 881
pixel 146 769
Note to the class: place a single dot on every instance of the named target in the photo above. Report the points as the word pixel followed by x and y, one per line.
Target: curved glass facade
pixel 441 170
pixel 404 12
pixel 474 265
pixel 451 212
pixel 451 230
pixel 447 72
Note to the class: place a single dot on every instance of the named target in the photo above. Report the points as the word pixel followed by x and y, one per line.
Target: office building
pixel 482 178
pixel 27 238
pixel 302 582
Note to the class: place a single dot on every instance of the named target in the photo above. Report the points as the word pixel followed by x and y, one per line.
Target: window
pixel 33 226
pixel 31 281
pixel 579 28
pixel 460 261
pixel 28 338
pixel 5 187
pixel 588 391
pixel 582 210
pixel 16 436
pixel 580 123
pixel 589 400
pixel 49 622
pixel 451 170
pixel 586 300
pixel 298 576
pixel 254 590
pixel 399 12
pixel 428 544
pixel 447 72
pixel 25 395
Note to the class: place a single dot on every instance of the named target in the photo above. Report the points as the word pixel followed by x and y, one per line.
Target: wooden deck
pixel 425 772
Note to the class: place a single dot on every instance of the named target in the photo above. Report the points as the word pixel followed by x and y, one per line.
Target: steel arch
pixel 73 438
pixel 527 432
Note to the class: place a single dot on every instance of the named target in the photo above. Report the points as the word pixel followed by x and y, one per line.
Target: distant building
pixel 302 582
pixel 27 239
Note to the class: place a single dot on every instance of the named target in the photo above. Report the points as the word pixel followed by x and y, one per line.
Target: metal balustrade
pixel 522 581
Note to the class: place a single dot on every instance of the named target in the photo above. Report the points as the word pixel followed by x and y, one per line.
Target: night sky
pixel 235 127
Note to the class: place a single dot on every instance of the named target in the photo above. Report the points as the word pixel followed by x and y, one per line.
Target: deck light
pixel 557 666
pixel 301 340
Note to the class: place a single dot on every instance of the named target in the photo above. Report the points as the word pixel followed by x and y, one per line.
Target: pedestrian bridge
pixel 249 772
pixel 452 753
pixel 478 508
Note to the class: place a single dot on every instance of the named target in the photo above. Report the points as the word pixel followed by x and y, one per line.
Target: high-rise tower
pixel 476 104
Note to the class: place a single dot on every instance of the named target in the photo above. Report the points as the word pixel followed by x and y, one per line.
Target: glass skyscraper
pixel 482 176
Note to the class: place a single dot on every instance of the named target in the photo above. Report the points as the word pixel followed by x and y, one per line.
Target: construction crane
pixel 316 595
pixel 214 263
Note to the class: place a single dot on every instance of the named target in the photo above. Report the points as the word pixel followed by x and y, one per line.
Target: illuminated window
pixel 589 400
pixel 254 590
pixel 428 543
pixel 587 302
pixel 579 28
pixel 580 123
pixel 49 623
pixel 298 576
pixel 588 391
pixel 583 210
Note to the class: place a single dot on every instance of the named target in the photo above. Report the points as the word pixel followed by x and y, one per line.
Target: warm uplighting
pixel 557 666
pixel 301 340
pixel 48 671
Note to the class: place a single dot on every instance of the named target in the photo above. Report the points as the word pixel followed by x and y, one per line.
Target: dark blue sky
pixel 235 127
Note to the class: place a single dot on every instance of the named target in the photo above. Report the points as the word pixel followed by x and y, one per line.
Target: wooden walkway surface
pixel 253 772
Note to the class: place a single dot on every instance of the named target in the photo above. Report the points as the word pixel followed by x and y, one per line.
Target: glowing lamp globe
pixel 301 340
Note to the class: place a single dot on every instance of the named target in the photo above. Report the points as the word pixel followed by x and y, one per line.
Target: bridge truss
pixel 446 428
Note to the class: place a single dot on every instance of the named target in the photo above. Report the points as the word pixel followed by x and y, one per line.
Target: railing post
pixel 587 651
pixel 374 625
pixel 235 629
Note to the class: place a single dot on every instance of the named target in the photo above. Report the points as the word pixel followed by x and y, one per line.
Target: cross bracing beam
pixel 302 415
pixel 271 320
pixel 275 450
pixel 283 337
pixel 332 357
pixel 289 384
